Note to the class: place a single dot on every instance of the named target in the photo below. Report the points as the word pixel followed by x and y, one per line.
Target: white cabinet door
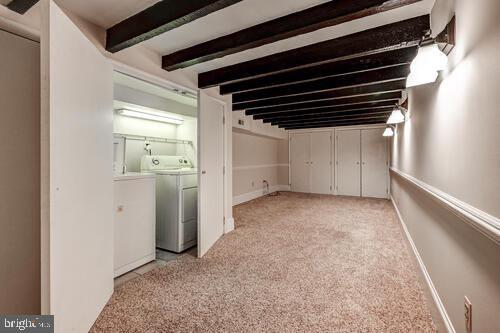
pixel 135 221
pixel 300 146
pixel 77 186
pixel 348 162
pixel 320 166
pixel 374 167
pixel 211 166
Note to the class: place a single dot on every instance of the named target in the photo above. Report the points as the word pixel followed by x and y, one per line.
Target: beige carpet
pixel 295 263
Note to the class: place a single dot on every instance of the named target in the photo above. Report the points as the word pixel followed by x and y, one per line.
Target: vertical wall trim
pixel 430 284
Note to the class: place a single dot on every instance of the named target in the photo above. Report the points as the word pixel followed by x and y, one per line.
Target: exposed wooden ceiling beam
pixel 353 102
pixel 325 15
pixel 345 114
pixel 368 62
pixel 382 116
pixel 368 90
pixel 335 82
pixel 159 18
pixel 387 37
pixel 337 124
pixel 325 112
pixel 338 115
pixel 21 6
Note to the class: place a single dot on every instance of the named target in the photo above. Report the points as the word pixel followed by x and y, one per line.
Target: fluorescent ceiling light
pixel 426 65
pixel 388 132
pixel 396 117
pixel 150 115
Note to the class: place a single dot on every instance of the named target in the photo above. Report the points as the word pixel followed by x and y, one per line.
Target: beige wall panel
pixel 451 142
pixel 20 175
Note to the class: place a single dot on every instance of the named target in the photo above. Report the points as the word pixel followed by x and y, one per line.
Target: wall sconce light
pixel 388 131
pixel 432 57
pixel 397 115
pixel 425 67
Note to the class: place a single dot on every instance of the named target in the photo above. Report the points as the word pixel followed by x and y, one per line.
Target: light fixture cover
pixel 417 78
pixel 150 115
pixel 396 117
pixel 430 58
pixel 426 65
pixel 388 132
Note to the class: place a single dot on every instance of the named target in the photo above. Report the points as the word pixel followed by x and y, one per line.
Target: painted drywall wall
pixel 135 149
pixel 255 159
pixel 19 175
pixel 450 142
pixel 148 63
pixel 254 126
pixel 134 96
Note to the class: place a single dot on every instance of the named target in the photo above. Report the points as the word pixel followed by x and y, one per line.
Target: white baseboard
pixel 437 300
pixel 228 225
pixel 239 199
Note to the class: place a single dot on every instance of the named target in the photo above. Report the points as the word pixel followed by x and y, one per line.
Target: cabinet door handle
pixel 203 172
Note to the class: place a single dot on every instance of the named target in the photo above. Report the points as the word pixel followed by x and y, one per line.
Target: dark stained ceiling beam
pixel 159 18
pixel 329 83
pixel 395 35
pixel 368 62
pixel 336 116
pixel 353 102
pixel 21 6
pixel 338 94
pixel 324 112
pixel 325 15
pixel 383 116
pixel 336 124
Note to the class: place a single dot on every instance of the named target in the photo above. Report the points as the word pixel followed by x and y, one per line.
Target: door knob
pixel 203 172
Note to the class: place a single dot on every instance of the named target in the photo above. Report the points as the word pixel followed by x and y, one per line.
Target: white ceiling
pixel 251 12
pixel 230 19
pixel 106 13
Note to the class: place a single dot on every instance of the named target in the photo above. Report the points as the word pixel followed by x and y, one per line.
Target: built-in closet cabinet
pixel 361 167
pixel 310 162
pixel 348 163
pixel 352 162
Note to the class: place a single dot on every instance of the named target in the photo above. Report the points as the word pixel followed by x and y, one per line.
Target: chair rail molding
pixel 485 223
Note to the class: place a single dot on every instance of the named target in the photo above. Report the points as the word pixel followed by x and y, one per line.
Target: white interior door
pixel 348 162
pixel 374 166
pixel 320 164
pixel 300 147
pixel 211 168
pixel 77 185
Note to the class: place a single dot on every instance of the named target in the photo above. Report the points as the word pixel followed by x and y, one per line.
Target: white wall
pixel 19 175
pixel 255 159
pixel 451 142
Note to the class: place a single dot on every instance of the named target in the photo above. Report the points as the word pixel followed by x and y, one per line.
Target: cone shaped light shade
pixel 429 58
pixel 417 78
pixel 396 117
pixel 426 65
pixel 388 132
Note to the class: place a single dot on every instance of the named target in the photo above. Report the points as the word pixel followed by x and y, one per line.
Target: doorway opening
pixel 155 161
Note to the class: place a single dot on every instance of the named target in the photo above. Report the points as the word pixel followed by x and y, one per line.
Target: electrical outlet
pixel 468 315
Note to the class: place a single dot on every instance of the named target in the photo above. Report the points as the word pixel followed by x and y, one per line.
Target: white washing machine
pixel 176 201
